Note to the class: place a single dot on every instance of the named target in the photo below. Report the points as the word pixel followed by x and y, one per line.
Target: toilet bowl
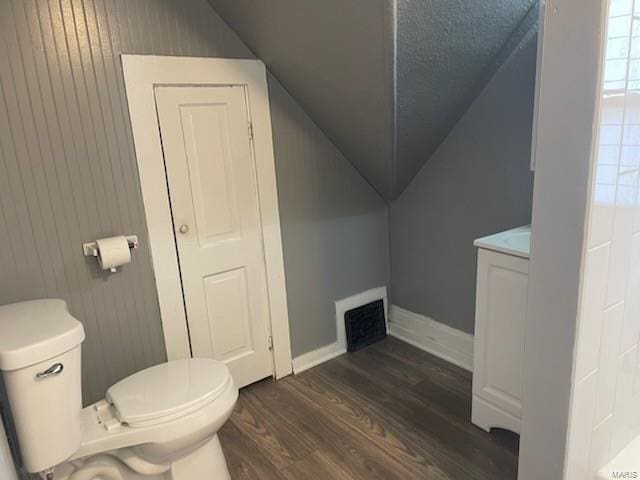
pixel 159 423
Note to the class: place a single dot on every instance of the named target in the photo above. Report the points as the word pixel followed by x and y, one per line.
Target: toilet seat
pixel 167 391
pixel 200 412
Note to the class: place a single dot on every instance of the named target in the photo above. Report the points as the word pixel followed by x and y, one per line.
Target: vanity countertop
pixel 512 242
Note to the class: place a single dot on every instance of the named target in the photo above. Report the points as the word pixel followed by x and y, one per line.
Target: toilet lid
pixel 168 390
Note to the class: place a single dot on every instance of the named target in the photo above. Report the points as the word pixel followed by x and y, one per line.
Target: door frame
pixel 141 74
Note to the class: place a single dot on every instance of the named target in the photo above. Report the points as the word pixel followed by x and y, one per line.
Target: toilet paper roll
pixel 113 252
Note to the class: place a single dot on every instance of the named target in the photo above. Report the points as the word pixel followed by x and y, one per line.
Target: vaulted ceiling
pixel 386 80
pixel 447 50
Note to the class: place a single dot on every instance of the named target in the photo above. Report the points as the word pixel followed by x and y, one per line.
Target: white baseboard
pixel 316 357
pixel 440 340
pixel 322 354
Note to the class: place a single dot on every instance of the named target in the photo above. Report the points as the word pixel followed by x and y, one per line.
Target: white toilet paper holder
pixel 91 249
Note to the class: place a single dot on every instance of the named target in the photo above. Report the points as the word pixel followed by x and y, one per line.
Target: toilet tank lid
pixel 35 331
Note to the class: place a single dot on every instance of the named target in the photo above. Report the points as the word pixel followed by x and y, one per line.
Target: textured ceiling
pixel 446 52
pixel 335 57
pixel 386 80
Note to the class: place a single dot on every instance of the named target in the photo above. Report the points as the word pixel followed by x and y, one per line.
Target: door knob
pixel 184 228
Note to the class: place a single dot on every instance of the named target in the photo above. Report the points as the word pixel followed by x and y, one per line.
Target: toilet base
pixel 206 462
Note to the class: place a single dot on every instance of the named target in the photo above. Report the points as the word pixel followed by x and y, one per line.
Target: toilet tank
pixel 40 364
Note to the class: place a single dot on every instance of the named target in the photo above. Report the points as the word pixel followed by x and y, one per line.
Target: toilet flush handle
pixel 52 371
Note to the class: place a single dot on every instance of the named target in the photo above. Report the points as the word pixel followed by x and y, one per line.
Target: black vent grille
pixel 365 325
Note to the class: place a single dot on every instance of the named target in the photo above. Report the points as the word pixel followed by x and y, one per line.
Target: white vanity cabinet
pixel 501 303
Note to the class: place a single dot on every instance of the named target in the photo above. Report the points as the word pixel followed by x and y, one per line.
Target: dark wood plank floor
pixel 389 411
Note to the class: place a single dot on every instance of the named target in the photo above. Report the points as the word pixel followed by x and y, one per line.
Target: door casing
pixel 142 73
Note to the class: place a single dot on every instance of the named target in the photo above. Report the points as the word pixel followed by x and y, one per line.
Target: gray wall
pixel 446 53
pixel 336 58
pixel 334 225
pixel 477 182
pixel 68 175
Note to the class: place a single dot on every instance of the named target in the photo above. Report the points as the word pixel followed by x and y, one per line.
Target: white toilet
pixel 160 423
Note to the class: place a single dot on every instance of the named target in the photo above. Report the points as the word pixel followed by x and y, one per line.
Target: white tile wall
pixel 605 408
pixel 583 406
pixel 624 429
pixel 592 308
pixel 608 363
pixel 599 450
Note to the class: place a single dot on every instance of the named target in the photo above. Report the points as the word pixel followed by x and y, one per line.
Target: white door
pixel 216 218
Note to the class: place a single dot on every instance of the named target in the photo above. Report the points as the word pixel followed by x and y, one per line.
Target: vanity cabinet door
pixel 501 304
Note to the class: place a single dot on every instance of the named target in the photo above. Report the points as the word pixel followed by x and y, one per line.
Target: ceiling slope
pixel 446 53
pixel 386 80
pixel 335 57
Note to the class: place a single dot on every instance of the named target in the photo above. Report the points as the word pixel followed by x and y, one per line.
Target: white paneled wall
pixel 605 408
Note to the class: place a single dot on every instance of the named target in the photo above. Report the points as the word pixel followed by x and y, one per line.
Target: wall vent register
pixel 365 325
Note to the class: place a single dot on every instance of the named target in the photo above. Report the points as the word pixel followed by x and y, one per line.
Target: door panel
pixel 501 305
pixel 506 308
pixel 206 135
pixel 230 313
pixel 214 202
